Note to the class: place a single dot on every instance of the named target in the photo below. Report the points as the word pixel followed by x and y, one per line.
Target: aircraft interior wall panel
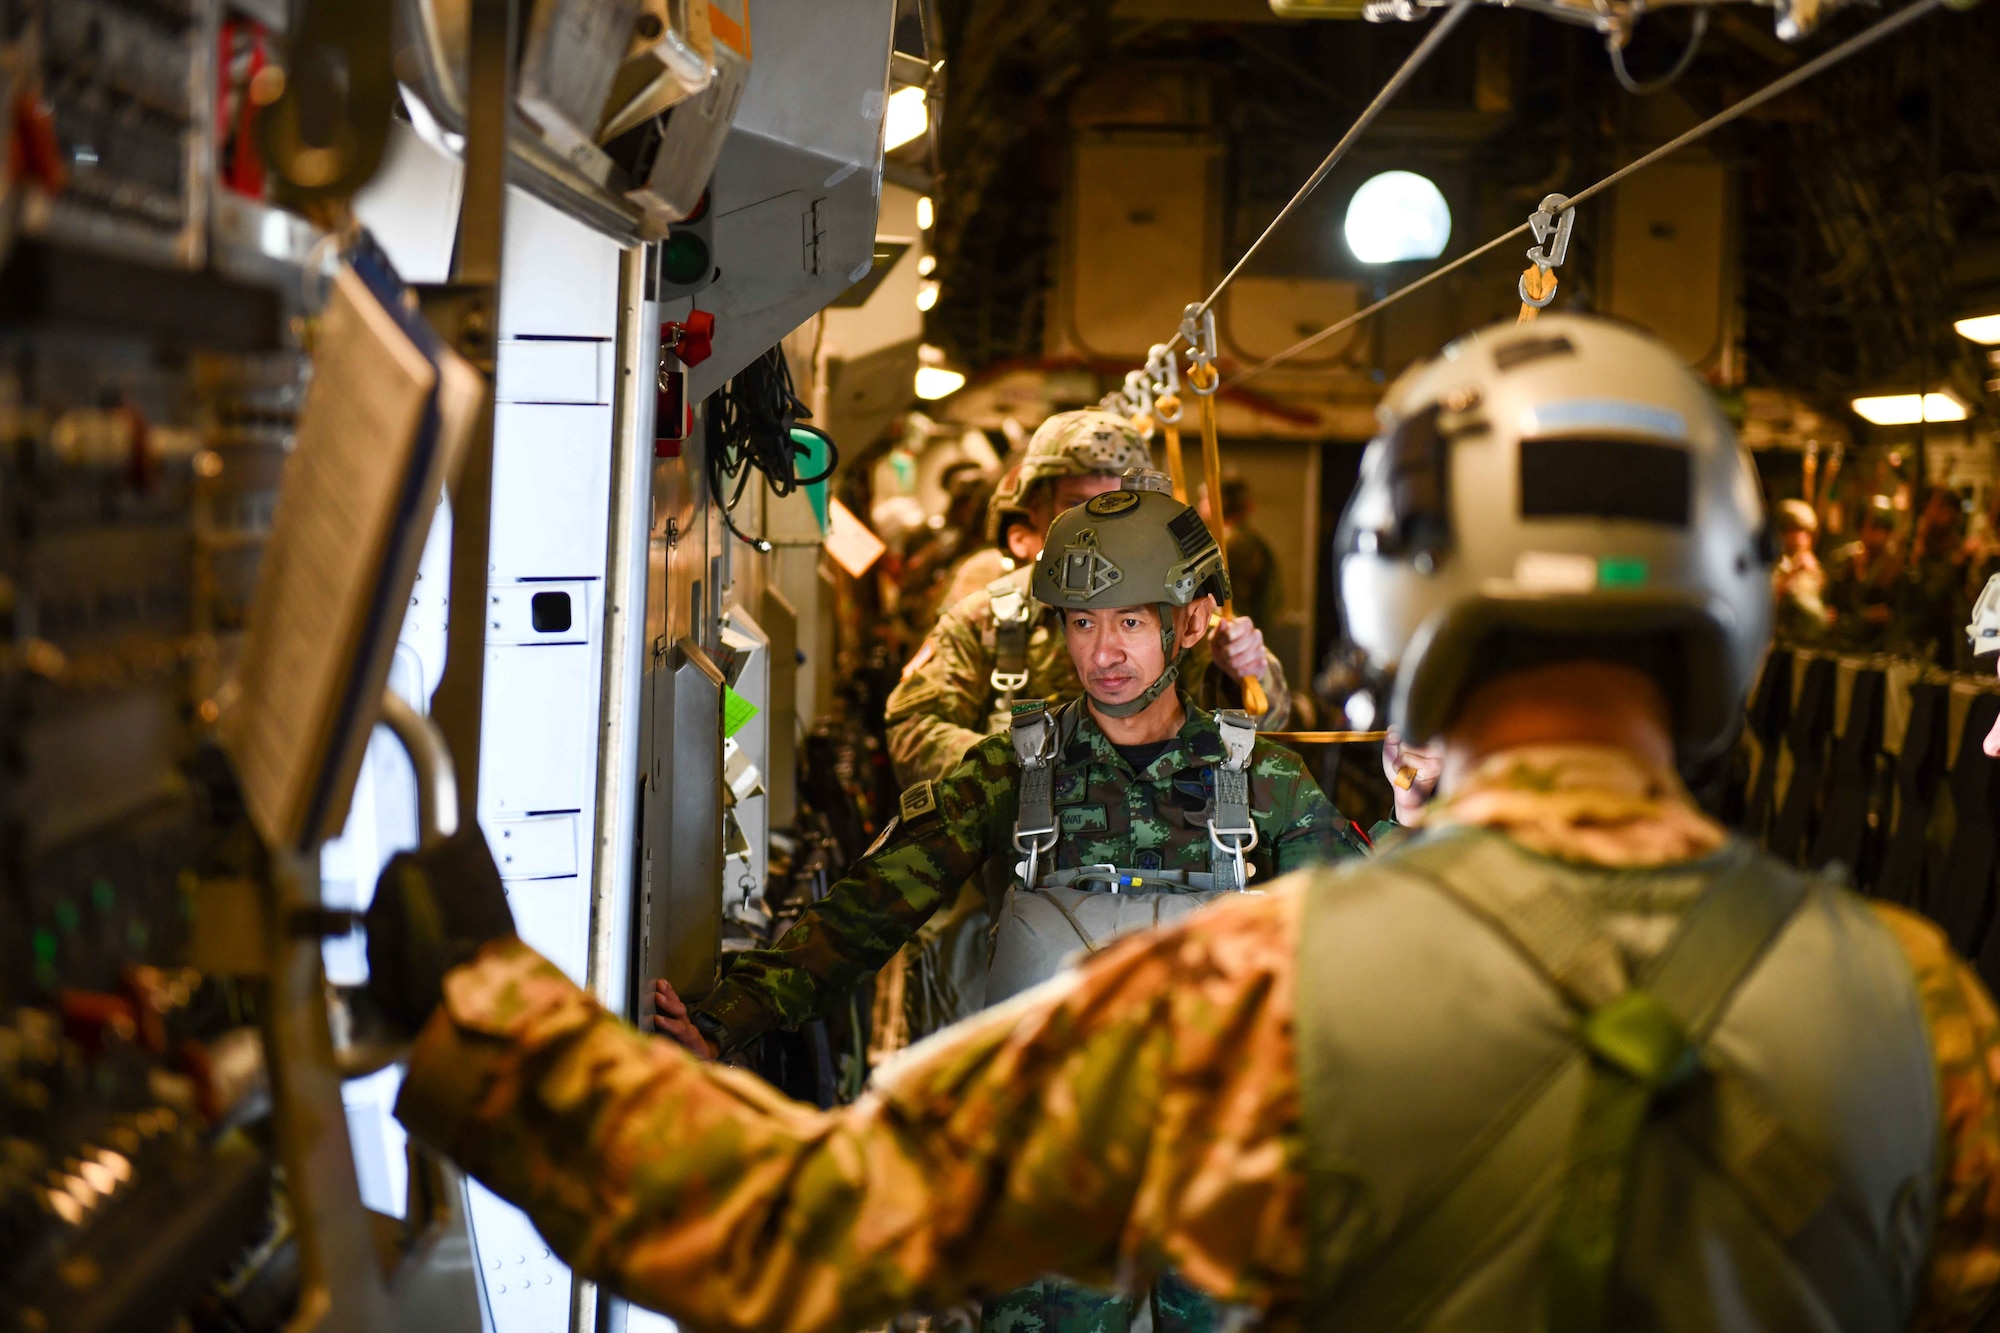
pixel 551 491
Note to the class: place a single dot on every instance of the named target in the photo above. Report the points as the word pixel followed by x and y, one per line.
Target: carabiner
pixel 1198 331
pixel 1164 370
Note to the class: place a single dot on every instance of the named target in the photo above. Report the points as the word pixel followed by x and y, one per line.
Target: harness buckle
pixel 1236 851
pixel 1040 843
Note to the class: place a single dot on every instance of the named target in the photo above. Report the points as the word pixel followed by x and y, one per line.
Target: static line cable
pixel 1778 87
pixel 1432 39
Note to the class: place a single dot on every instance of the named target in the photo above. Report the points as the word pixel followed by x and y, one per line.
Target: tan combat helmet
pixel 1570 481
pixel 1068 444
pixel 1129 547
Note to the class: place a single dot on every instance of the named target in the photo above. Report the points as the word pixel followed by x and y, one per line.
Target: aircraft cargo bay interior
pixel 1005 665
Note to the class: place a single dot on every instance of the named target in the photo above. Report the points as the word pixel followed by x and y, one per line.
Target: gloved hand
pixel 432 911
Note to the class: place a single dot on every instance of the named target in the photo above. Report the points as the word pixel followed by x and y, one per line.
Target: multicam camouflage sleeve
pixel 881 902
pixel 1963 1277
pixel 1140 1112
pixel 938 711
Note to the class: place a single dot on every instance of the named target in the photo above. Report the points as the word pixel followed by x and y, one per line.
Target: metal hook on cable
pixel 1139 398
pixel 1198 332
pixel 1551 223
pixel 1164 371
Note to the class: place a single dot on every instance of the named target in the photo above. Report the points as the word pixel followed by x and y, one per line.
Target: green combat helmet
pixel 1068 444
pixel 1128 547
pixel 1566 479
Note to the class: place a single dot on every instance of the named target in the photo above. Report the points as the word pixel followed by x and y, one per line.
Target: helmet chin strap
pixel 1158 687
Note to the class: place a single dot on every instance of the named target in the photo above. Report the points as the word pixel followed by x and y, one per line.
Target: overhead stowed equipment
pixel 624 104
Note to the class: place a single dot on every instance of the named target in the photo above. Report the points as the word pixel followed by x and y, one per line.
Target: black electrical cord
pixel 751 421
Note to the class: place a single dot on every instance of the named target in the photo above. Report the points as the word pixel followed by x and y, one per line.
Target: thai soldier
pixel 1115 811
pixel 993 645
pixel 1570 1057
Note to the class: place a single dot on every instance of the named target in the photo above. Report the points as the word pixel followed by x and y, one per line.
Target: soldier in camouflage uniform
pixel 995 644
pixel 949 697
pixel 1142 803
pixel 1354 1101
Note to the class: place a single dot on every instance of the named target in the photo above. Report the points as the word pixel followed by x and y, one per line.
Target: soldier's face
pixel 1118 654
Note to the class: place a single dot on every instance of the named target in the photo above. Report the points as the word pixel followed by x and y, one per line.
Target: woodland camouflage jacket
pixel 1107 813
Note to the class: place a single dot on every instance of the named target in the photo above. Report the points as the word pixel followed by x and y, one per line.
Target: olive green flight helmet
pixel 1565 484
pixel 1068 444
pixel 1129 547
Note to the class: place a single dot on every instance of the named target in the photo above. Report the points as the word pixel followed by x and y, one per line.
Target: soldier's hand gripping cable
pixel 1569 1058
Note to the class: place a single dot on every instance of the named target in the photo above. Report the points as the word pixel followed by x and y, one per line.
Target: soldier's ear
pixel 1193 622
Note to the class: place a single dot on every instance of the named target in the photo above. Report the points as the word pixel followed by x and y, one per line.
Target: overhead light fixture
pixel 905 119
pixel 1902 409
pixel 1395 216
pixel 1980 329
pixel 927 294
pixel 934 382
pixel 925 216
pixel 926 265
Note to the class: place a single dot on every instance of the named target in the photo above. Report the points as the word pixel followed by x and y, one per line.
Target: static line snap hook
pixel 1198 331
pixel 1139 396
pixel 1553 219
pixel 1551 224
pixel 1164 372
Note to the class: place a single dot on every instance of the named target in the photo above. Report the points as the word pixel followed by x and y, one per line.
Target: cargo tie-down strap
pixel 1637 1039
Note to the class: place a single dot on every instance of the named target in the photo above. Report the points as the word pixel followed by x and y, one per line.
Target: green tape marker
pixel 1621 571
pixel 736 712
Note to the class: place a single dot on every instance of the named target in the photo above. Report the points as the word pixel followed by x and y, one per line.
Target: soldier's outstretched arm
pixel 937 711
pixel 1138 1112
pixel 944 833
pixel 1310 831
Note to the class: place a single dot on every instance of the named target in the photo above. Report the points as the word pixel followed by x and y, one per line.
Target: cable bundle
pixel 753 424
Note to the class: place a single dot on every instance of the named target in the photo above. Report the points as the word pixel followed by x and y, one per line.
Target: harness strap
pixel 1013 624
pixel 1634 1042
pixel 1034 737
pixel 1231 834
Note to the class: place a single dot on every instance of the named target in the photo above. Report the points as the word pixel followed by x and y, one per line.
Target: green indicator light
pixel 684 259
pixel 1621 571
pixel 67 916
pixel 45 945
pixel 102 893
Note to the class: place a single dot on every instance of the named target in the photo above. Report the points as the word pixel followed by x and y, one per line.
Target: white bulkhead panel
pixel 544 618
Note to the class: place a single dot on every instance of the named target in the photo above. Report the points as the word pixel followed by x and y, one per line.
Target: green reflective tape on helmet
pixel 1621 571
